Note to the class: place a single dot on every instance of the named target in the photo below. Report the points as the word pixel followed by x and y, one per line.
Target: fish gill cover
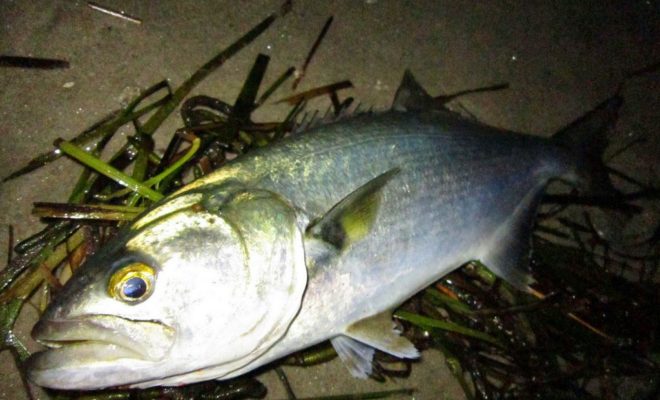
pixel 589 323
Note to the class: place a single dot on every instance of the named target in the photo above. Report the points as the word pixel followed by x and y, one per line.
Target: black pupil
pixel 134 288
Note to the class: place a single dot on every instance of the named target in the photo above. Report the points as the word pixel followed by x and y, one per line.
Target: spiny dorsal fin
pixel 378 331
pixel 411 96
pixel 352 218
pixel 313 119
pixel 357 357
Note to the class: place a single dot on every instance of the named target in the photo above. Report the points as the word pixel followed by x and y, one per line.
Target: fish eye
pixel 132 283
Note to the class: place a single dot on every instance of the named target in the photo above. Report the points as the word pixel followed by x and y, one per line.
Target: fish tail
pixel 586 140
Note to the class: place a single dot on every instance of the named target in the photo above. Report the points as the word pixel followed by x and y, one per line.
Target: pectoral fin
pixel 352 218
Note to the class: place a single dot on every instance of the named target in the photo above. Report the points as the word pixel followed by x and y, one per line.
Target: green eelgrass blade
pixel 82 189
pixel 39 239
pixel 245 103
pixel 456 305
pixel 289 121
pixel 316 92
pixel 285 382
pixel 178 164
pixel 427 322
pixel 105 127
pixel 266 95
pixel 168 107
pixel 315 355
pixel 157 119
pixel 246 99
pixel 47 260
pixel 163 178
pixel 18 265
pixel 365 396
pixel 8 314
pixel 456 369
pixel 107 170
pixel 167 172
pixel 141 164
pixel 32 62
pixel 312 51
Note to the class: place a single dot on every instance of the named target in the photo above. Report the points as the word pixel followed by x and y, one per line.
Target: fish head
pixel 195 283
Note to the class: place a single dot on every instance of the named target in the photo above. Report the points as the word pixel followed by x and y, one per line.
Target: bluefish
pixel 317 237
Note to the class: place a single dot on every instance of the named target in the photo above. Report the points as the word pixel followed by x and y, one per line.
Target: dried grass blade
pixel 316 92
pixel 312 51
pixel 104 212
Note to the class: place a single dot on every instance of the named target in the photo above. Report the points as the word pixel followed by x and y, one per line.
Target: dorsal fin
pixel 313 119
pixel 411 96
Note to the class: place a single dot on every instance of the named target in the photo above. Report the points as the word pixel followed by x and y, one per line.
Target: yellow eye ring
pixel 132 283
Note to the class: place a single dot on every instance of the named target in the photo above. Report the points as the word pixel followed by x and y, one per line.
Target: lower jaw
pixel 84 366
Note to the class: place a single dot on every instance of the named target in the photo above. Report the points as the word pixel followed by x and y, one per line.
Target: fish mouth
pixel 147 340
pixel 88 345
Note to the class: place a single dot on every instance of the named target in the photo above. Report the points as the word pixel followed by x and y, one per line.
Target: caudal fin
pixel 586 138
